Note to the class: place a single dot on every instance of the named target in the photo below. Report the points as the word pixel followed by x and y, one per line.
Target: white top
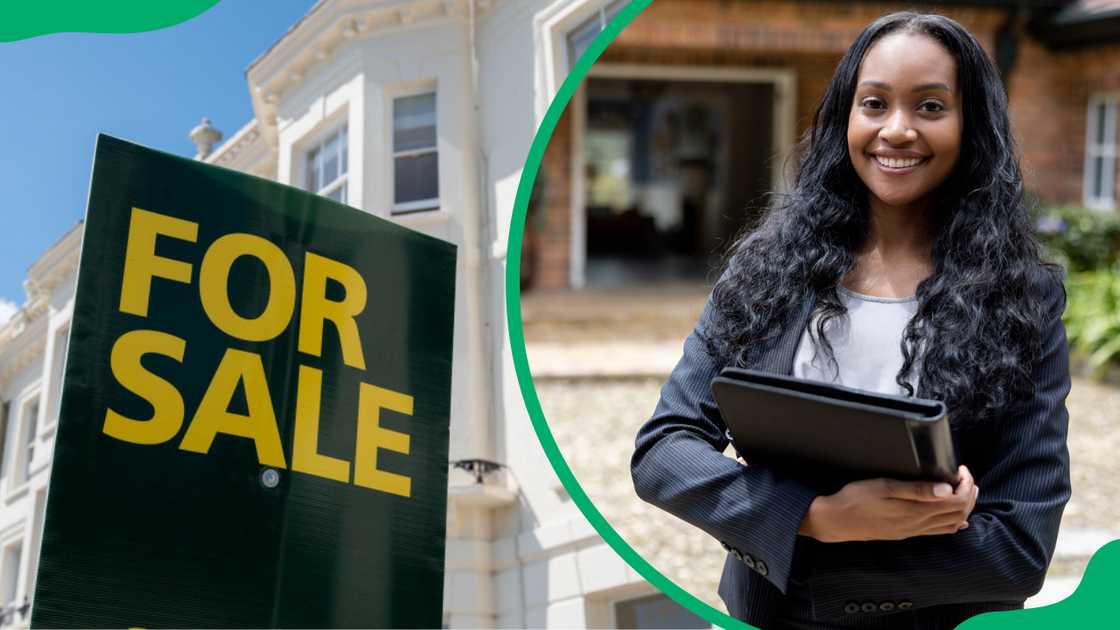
pixel 866 343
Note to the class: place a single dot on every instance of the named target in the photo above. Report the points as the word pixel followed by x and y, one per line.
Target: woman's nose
pixel 898 130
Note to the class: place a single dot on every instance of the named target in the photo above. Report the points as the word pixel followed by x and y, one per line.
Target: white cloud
pixel 7 309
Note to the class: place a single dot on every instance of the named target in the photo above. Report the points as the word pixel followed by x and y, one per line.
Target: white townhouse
pixel 420 112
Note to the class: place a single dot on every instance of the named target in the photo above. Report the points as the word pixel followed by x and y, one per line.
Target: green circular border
pixel 517 334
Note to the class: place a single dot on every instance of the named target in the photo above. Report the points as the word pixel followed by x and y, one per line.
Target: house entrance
pixel 673 170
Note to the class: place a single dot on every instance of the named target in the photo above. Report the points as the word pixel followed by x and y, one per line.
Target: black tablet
pixel 829 432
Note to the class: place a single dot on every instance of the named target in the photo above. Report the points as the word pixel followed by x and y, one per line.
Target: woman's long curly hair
pixel 979 314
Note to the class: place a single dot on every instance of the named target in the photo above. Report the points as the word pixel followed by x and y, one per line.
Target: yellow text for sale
pixel 241 368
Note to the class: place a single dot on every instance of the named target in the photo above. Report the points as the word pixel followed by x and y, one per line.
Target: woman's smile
pixel 898 165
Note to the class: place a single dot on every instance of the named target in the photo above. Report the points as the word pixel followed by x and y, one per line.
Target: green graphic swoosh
pixel 1089 606
pixel 21 20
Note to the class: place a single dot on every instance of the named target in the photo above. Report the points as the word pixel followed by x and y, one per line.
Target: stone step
pixel 1082 543
pixel 1054 590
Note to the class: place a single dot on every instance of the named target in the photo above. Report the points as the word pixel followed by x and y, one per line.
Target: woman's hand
pixel 890 509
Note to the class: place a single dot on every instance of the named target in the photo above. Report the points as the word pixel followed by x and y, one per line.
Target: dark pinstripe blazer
pixel 1021 466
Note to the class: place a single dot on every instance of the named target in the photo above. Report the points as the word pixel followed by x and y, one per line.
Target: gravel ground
pixel 595 420
pixel 1094 441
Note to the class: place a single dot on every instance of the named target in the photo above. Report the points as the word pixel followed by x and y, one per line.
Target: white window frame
pixel 420 205
pixel 317 142
pixel 60 347
pixel 35 542
pixel 7 435
pixel 613 7
pixel 1106 149
pixel 552 26
pixel 14 540
pixel 25 444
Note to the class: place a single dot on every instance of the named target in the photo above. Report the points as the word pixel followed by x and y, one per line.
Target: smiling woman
pixel 902 262
pixel 904 130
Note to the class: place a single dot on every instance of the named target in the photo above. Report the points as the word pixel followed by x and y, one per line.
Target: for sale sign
pixel 254 417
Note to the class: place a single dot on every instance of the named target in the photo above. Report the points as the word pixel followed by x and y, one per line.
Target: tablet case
pixel 830 434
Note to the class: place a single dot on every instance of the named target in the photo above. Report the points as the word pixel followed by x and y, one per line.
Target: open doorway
pixel 672 170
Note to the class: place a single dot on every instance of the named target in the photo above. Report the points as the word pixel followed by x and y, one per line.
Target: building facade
pixel 420 112
pixel 686 122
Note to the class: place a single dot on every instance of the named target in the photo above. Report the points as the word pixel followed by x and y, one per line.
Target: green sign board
pixel 254 416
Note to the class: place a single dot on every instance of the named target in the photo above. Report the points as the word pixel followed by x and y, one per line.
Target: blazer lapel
pixel 778 358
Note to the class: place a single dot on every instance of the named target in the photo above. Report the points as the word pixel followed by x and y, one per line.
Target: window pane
pixel 4 407
pixel 342 150
pixel 1110 126
pixel 10 570
pixel 613 9
pixel 414 122
pixel 608 153
pixel 32 420
pixel 1108 178
pixel 61 340
pixel 32 429
pixel 655 611
pixel 330 160
pixel 311 182
pixel 1100 113
pixel 580 38
pixel 1098 177
pixel 416 178
pixel 338 194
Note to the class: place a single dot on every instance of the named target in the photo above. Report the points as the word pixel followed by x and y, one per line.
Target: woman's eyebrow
pixel 918 88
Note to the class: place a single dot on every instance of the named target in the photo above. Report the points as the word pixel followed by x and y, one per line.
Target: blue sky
pixel 60 90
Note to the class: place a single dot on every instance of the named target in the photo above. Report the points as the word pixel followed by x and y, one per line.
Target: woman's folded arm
pixel 679 466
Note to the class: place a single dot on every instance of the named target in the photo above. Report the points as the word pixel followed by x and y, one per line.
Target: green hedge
pixel 1092 317
pixel 1080 239
pixel 1087 243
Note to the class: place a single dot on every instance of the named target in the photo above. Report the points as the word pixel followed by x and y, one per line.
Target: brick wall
pixel 1093 70
pixel 551 232
pixel 1049 91
pixel 1049 94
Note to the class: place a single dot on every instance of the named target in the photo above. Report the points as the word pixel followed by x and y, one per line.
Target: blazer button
pixel 851 608
pixel 748 560
pixel 760 566
pixel 868 607
pixel 905 605
pixel 886 606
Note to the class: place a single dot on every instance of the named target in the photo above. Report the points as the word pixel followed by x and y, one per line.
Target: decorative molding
pixel 56 266
pixel 242 141
pixel 326 26
pixel 63 253
pixel 59 273
pixel 24 356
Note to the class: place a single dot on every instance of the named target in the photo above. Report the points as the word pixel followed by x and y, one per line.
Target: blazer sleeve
pixel 1004 553
pixel 678 465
